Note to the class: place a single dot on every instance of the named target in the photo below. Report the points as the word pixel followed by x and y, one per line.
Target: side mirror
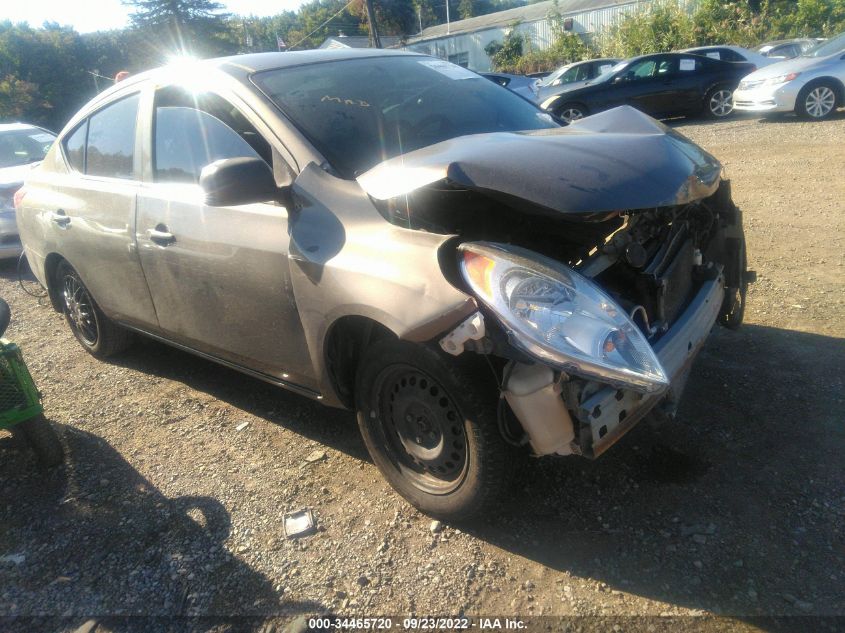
pixel 233 181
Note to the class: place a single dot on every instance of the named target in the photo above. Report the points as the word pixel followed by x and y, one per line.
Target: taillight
pixel 18 197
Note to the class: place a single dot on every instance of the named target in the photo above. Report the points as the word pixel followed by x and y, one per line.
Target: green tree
pixel 178 27
pixel 52 60
pixel 812 18
pixel 465 9
pixel 654 29
pixel 16 98
pixel 507 53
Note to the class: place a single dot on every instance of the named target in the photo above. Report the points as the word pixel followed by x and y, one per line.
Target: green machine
pixel 20 403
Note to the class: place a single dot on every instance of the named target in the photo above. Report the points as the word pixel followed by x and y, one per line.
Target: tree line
pixel 47 73
pixel 667 26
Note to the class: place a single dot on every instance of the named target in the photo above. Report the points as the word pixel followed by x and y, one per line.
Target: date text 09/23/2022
pixel 415 624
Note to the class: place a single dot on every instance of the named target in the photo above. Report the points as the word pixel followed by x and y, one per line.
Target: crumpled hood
pixel 616 160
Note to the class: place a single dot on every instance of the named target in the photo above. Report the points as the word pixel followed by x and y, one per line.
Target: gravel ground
pixel 179 471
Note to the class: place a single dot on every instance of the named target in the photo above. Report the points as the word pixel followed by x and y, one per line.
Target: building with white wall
pixel 463 42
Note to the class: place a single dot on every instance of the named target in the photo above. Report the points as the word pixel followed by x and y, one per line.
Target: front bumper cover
pixel 766 98
pixel 610 413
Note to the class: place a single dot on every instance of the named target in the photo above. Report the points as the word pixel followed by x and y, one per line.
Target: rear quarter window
pixel 75 147
pixel 111 140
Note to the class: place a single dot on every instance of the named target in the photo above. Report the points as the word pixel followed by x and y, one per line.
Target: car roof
pixel 713 47
pixel 794 40
pixel 14 127
pixel 650 55
pixel 243 66
pixel 257 62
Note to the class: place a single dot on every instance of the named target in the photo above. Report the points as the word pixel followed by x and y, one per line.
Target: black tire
pixel 818 100
pixel 42 439
pixel 718 103
pixel 733 306
pixel 99 335
pixel 402 389
pixel 570 112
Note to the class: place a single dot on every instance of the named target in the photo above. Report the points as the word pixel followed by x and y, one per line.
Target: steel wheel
pixel 79 309
pixel 820 102
pixel 423 428
pixel 428 421
pixel 571 113
pixel 721 103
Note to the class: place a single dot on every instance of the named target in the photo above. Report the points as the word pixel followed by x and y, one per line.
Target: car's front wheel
pixel 98 334
pixel 816 101
pixel 429 423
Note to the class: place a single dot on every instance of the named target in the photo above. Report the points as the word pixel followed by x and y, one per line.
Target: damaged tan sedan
pixel 394 234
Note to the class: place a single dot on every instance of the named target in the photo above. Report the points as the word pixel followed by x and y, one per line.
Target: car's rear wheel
pixel 719 102
pixel 429 423
pixel 98 334
pixel 816 101
pixel 570 112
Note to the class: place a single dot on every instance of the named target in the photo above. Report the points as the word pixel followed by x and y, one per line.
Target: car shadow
pixel 94 538
pixel 336 428
pixel 731 509
pixel 789 117
pixel 735 508
pixel 777 117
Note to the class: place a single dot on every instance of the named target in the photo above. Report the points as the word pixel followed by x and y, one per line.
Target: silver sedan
pixel 812 85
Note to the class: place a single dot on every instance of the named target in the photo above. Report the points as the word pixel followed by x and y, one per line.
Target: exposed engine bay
pixel 556 232
pixel 649 260
pixel 653 262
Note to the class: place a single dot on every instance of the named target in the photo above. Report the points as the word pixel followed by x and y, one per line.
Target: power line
pixel 346 6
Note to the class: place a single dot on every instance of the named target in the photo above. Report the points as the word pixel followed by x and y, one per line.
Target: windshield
pixel 360 112
pixel 608 74
pixel 831 47
pixel 20 147
pixel 555 75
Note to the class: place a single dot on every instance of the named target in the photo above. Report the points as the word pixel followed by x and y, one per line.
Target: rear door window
pixel 194 131
pixel 111 140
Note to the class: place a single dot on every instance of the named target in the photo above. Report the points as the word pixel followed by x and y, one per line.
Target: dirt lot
pixel 168 504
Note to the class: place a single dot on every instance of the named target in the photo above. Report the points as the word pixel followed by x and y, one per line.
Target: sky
pixel 97 15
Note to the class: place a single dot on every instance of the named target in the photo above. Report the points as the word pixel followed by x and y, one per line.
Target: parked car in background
pixel 520 84
pixel 391 233
pixel 812 85
pixel 787 49
pixel 662 85
pixel 22 146
pixel 573 76
pixel 732 54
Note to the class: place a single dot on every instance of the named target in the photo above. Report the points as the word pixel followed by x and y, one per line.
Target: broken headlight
pixel 560 317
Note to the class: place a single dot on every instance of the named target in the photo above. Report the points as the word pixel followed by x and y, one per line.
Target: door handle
pixel 61 218
pixel 161 236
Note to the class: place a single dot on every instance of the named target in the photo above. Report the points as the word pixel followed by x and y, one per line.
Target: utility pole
pixel 448 26
pixel 371 18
